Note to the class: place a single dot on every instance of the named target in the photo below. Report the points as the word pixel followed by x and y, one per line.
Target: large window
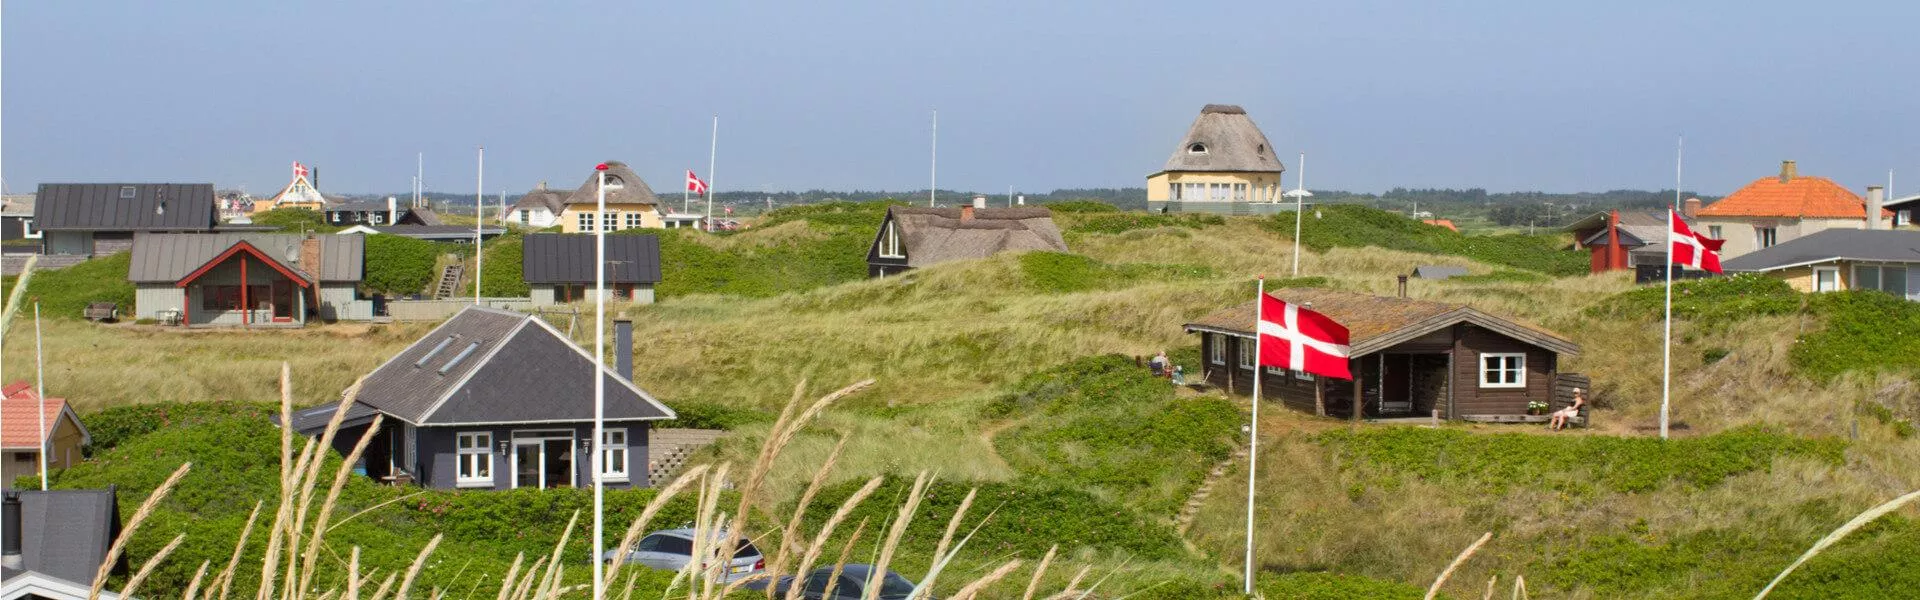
pixel 1889 279
pixel 1503 370
pixel 1194 191
pixel 1765 236
pixel 1239 192
pixel 220 297
pixel 613 455
pixel 585 221
pixel 1217 350
pixel 1218 192
pixel 1173 191
pixel 890 242
pixel 475 459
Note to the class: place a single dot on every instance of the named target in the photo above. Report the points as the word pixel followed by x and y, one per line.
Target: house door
pixel 1396 384
pixel 283 301
pixel 543 459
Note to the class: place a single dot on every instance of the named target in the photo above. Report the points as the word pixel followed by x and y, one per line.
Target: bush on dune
pixel 65 293
pixel 1355 226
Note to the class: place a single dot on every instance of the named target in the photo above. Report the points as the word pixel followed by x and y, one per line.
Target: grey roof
pixel 1902 202
pixel 568 258
pixel 516 369
pixel 632 189
pixel 937 235
pixel 66 533
pixel 313 421
pixel 1229 141
pixel 99 207
pixel 360 206
pixel 170 257
pixel 541 197
pixel 1879 245
pixel 437 232
pixel 426 216
pixel 1438 271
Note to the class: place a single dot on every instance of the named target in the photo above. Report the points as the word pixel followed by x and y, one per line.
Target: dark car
pixel 853 582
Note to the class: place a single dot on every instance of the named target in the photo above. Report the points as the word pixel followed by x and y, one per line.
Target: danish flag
pixel 694 184
pixel 299 170
pixel 1298 339
pixel 1692 249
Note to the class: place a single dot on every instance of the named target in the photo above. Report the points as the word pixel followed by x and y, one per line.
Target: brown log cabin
pixel 1412 358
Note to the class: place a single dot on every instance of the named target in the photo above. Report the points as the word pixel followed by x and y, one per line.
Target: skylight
pixel 430 353
pixel 459 357
pixel 127 192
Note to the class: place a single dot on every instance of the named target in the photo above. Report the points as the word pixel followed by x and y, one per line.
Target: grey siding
pixel 150 299
pixel 437 456
pixel 337 302
pixel 112 242
pixel 542 295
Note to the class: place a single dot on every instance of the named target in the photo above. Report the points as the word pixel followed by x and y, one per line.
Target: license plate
pixel 738 570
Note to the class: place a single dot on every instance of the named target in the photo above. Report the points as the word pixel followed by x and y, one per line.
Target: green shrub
pixel 1028 517
pixel 399 265
pixel 689 266
pixel 1082 206
pixel 708 415
pixel 1573 464
pixel 65 293
pixel 296 220
pixel 1061 273
pixel 1355 226
pixel 1712 355
pixel 1118 222
pixel 1902 428
pixel 501 275
pixel 117 424
pixel 1711 301
pixel 1865 331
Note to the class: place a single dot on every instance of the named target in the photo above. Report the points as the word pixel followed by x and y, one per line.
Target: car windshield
pixel 746 550
pixel 895 585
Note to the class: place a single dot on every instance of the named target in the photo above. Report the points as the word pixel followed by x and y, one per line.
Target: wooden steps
pixel 449 281
pixel 1184 520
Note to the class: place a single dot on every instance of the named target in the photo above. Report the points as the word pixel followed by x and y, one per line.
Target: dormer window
pixel 890 242
pixel 127 192
pixel 1262 148
pixel 614 183
pixel 1197 148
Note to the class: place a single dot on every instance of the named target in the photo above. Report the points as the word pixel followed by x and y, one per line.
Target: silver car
pixel 672 549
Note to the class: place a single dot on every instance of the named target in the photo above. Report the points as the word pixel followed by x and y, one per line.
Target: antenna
pixel 933 174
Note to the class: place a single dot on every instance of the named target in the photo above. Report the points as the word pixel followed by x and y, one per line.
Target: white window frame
pixel 584 221
pixel 1765 237
pixel 1818 287
pixel 1217 351
pixel 1514 363
pixel 635 220
pixel 608 448
pixel 1303 375
pixel 1247 359
pixel 1173 191
pixel 1713 231
pixel 607 221
pixel 27 231
pixel 890 241
pixel 473 452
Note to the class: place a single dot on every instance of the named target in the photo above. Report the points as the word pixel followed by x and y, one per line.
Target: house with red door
pixel 248 279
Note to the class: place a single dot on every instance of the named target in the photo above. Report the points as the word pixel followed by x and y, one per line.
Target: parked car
pixel 672 549
pixel 854 579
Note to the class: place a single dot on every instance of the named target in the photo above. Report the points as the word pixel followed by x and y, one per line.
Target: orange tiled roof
pixel 1799 196
pixel 1447 223
pixel 20 423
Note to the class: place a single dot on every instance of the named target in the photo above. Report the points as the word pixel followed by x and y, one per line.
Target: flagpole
pixel 479 203
pixel 1666 346
pixel 713 156
pixel 1300 183
pixel 1253 431
pixel 599 384
pixel 40 383
pixel 933 171
pixel 686 190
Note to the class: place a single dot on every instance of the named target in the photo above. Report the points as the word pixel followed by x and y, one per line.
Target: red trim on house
pixel 237 248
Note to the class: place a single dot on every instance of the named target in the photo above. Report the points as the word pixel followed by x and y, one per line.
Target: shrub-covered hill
pixel 1352 225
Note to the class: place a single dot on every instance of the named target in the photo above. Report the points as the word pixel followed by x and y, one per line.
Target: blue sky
pixel 1501 94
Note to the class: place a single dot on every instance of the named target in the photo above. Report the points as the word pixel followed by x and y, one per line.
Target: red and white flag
pixel 1298 339
pixel 299 170
pixel 694 184
pixel 1692 249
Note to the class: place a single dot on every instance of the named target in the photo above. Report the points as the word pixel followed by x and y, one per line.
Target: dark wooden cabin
pixel 1410 357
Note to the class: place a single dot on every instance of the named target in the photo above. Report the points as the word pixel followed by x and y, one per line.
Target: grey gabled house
pixel 247 279
pixel 54 542
pixel 495 399
pixel 93 219
pixel 558 267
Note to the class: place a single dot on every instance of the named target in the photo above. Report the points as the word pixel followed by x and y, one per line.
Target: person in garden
pixel 1560 417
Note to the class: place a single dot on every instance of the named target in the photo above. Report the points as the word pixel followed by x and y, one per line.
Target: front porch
pixel 244 287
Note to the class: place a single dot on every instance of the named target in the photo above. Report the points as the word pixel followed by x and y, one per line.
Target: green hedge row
pixel 1353 226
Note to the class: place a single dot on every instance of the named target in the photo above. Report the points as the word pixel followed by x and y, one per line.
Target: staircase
pixel 1192 509
pixel 668 449
pixel 449 281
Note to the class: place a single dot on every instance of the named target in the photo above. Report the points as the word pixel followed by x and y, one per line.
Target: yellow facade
pixel 1801 278
pixel 619 216
pixel 65 446
pixel 1225 186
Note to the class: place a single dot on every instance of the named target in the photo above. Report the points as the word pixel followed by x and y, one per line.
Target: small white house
pixel 538 209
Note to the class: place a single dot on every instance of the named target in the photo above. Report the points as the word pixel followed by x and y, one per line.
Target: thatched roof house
pixel 914 237
pixel 1223 158
pixel 539 208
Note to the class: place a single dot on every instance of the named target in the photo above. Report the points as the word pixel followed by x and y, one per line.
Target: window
pixel 1239 192
pixel 1196 148
pixel 1194 191
pixel 613 455
pixel 475 453
pixel 220 297
pixel 1765 236
pixel 1303 375
pixel 1217 349
pixel 127 192
pixel 890 242
pixel 1173 191
pixel 22 457
pixel 1503 370
pixel 585 221
pixel 1866 278
pixel 1826 279
pixel 1892 280
pixel 606 221
pixel 464 353
pixel 665 544
pixel 614 183
pixel 1903 217
pixel 526 217
pixel 1246 355
pixel 633 220
pixel 27 231
pixel 1713 231
pixel 434 352
pixel 1218 191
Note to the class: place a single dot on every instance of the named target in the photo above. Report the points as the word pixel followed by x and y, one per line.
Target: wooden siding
pixel 1472 399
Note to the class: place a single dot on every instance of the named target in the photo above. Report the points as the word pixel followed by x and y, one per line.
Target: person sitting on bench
pixel 1572 411
pixel 1159 364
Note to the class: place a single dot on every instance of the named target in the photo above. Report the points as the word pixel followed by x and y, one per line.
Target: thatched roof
pixel 1224 138
pixel 937 235
pixel 541 197
pixel 631 190
pixel 1375 323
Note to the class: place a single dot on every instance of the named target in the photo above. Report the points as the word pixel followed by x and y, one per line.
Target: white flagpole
pixel 40 383
pixel 713 156
pixel 1253 431
pixel 686 194
pixel 599 386
pixel 933 172
pixel 479 203
pixel 1300 183
pixel 1666 346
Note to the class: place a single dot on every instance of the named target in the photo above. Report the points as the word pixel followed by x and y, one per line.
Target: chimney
pixel 966 212
pixel 393 209
pixel 1403 285
pixel 310 256
pixel 1023 200
pixel 10 520
pixel 623 348
pixel 1690 207
pixel 1876 199
pixel 313 178
pixel 979 201
pixel 1788 171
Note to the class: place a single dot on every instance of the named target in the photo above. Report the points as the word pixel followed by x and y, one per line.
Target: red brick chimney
pixel 1788 171
pixel 966 212
pixel 1689 208
pixel 310 257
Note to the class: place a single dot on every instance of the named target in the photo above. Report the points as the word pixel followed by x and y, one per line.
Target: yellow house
pixel 1837 260
pixel 1223 164
pixel 22 439
pixel 630 204
pixel 299 193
